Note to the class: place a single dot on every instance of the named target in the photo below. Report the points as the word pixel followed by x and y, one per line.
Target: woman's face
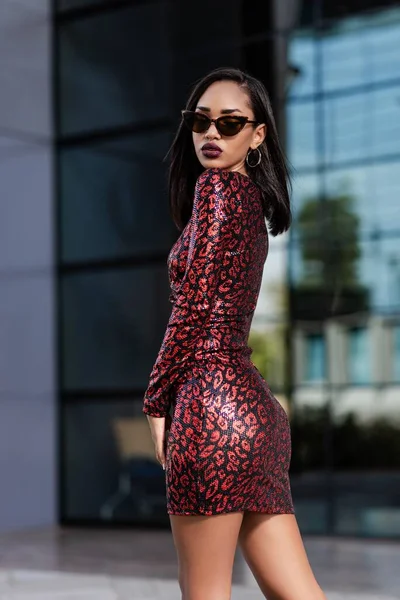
pixel 226 98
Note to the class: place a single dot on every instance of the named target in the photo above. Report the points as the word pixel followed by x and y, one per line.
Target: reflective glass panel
pixel 114 69
pixel 111 473
pixel 112 326
pixel 114 199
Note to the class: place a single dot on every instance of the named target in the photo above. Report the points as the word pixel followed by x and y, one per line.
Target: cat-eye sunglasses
pixel 226 125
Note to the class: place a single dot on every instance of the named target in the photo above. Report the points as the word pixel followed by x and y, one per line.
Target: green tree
pixel 328 236
pixel 329 241
pixel 268 340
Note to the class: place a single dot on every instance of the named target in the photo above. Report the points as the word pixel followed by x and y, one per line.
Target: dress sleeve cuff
pixel 152 412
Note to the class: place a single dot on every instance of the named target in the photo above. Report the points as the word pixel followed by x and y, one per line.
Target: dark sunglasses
pixel 226 125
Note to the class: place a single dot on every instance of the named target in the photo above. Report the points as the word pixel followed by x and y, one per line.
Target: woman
pixel 227 451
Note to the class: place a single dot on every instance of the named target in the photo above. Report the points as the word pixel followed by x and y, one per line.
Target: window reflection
pixel 302 140
pixel 327 245
pixel 309 479
pixel 66 4
pixel 344 268
pixel 342 255
pixel 396 353
pixel 359 356
pixel 111 470
pixel 268 333
pixel 361 50
pixel 361 125
pixel 267 340
pixel 112 327
pixel 113 198
pixel 366 438
pixel 104 80
pixel 315 357
pixel 382 34
pixel 345 131
pixel 344 57
pixel 301 57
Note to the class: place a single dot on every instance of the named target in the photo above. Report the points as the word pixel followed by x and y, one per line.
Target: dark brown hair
pixel 271 175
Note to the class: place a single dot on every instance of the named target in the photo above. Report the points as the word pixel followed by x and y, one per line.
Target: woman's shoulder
pixel 220 178
pixel 219 175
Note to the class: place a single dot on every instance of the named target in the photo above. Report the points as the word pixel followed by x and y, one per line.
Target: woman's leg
pixel 206 548
pixel 274 550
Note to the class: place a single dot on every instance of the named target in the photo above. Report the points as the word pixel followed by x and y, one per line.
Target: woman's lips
pixel 211 151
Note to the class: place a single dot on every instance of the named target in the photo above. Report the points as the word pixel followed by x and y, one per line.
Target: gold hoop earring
pixel 258 159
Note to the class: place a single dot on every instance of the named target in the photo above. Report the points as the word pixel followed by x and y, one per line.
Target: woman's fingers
pixel 158 434
pixel 160 452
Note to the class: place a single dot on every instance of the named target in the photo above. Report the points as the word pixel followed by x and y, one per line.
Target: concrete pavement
pixel 76 564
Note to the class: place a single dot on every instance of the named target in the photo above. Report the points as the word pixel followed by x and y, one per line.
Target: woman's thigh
pixel 206 547
pixel 274 550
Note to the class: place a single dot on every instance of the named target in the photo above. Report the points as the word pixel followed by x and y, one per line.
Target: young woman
pixel 226 448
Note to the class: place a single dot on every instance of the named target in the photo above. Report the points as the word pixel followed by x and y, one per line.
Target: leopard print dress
pixel 228 448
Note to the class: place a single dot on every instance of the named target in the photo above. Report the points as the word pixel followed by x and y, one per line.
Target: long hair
pixel 271 175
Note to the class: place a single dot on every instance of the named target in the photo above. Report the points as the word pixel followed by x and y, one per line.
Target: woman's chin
pixel 207 163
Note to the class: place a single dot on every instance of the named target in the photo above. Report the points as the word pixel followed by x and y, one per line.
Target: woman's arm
pixel 215 207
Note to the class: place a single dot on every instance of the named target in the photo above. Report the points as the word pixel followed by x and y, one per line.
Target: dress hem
pixel 212 513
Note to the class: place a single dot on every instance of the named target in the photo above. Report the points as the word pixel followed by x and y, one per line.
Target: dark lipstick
pixel 211 150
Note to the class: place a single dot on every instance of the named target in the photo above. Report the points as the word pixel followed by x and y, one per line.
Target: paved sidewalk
pixel 32 585
pixel 76 564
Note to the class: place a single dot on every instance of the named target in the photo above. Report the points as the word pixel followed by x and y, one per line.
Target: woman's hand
pixel 159 428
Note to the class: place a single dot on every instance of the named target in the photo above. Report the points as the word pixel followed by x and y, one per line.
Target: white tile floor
pixel 137 565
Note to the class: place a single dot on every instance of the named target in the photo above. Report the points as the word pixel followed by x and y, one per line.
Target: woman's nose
pixel 212 131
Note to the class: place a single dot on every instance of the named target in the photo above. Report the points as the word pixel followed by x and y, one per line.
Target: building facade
pixel 326 330
pixel 342 135
pixel 28 449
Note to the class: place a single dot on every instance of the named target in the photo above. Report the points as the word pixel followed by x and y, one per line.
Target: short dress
pixel 229 445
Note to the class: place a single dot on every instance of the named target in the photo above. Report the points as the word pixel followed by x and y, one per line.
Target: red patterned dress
pixel 229 447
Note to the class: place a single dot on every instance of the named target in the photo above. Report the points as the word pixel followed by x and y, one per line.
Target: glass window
pixel 365 436
pixel 114 69
pixel 372 191
pixel 113 198
pixel 301 136
pixel 272 299
pixel 112 327
pixel 309 480
pixel 111 472
pixel 217 44
pixel 315 357
pixel 344 57
pixel 388 294
pixel 362 48
pixel 362 126
pixel 383 116
pixel 367 219
pixel 346 134
pixel 301 64
pixel 396 353
pixel 368 236
pixel 268 335
pixel 268 340
pixel 383 37
pixel 305 188
pixel 66 4
pixel 328 248
pixel 345 259
pixel 359 364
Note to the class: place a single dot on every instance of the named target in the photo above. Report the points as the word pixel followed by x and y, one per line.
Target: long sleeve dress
pixel 228 448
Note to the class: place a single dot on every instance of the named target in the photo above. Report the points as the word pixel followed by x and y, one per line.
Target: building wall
pixel 27 392
pixel 343 140
pixel 124 71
